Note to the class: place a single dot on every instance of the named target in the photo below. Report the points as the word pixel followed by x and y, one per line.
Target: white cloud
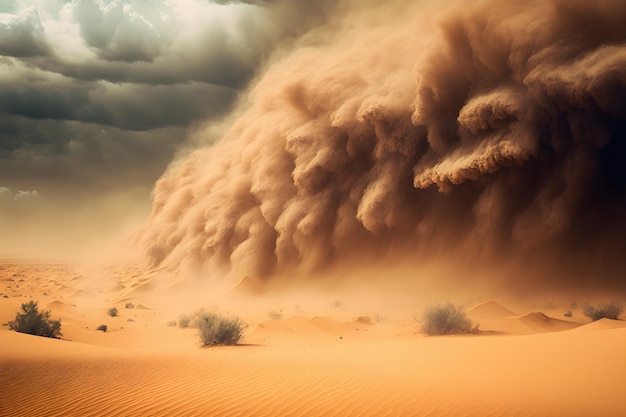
pixel 29 197
pixel 5 194
pixel 21 198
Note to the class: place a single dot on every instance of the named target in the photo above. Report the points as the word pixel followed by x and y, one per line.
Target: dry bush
pixel 275 315
pixel 446 318
pixel 217 330
pixel 113 312
pixel 610 311
pixel 184 321
pixel 31 321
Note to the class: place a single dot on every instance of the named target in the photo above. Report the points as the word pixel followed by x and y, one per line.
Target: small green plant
pixel 113 312
pixel 610 311
pixel 31 321
pixel 446 318
pixel 102 328
pixel 217 330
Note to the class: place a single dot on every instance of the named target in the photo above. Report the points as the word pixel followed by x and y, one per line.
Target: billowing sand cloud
pixel 493 128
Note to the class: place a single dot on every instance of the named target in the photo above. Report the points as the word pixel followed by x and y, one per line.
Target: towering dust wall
pixel 496 129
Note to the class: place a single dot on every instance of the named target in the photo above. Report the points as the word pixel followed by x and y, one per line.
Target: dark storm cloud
pixel 23 36
pixel 98 95
pixel 125 106
pixel 82 159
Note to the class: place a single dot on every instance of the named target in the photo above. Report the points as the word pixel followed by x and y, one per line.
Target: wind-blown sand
pixel 337 361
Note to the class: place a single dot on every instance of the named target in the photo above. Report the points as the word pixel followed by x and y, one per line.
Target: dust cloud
pixel 482 133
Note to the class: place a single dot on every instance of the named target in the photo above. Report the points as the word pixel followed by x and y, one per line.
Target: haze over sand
pixel 483 134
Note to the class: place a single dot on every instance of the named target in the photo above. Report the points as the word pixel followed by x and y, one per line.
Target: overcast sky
pixel 96 96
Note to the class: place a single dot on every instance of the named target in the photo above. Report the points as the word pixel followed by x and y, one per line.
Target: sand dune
pixel 490 309
pixel 494 317
pixel 303 364
pixel 604 324
pixel 542 323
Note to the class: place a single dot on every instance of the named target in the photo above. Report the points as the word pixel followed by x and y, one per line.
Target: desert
pixel 321 357
pixel 313 208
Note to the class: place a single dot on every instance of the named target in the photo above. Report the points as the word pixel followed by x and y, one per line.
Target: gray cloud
pixel 97 97
pixel 39 95
pixel 118 33
pixel 23 35
pixel 165 42
pixel 77 159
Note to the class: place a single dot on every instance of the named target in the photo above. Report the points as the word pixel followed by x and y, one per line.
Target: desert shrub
pixel 113 312
pixel 446 318
pixel 30 320
pixel 184 321
pixel 217 330
pixel 275 315
pixel 610 311
pixel 129 305
pixel 102 328
pixel 568 313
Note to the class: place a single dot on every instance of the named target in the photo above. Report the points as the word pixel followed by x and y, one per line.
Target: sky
pixel 97 97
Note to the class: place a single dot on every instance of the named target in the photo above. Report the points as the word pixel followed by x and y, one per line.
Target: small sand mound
pixel 603 324
pixel 247 285
pixel 328 325
pixel 363 320
pixel 142 288
pixel 56 304
pixel 490 309
pixel 273 327
pixel 117 288
pixel 296 328
pixel 536 317
pixel 538 321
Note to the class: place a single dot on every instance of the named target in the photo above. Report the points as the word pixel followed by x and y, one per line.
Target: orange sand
pixel 337 361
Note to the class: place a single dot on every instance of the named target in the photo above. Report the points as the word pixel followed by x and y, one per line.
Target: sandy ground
pixel 332 358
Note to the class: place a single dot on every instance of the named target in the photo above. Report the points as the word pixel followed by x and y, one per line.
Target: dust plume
pixel 488 131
